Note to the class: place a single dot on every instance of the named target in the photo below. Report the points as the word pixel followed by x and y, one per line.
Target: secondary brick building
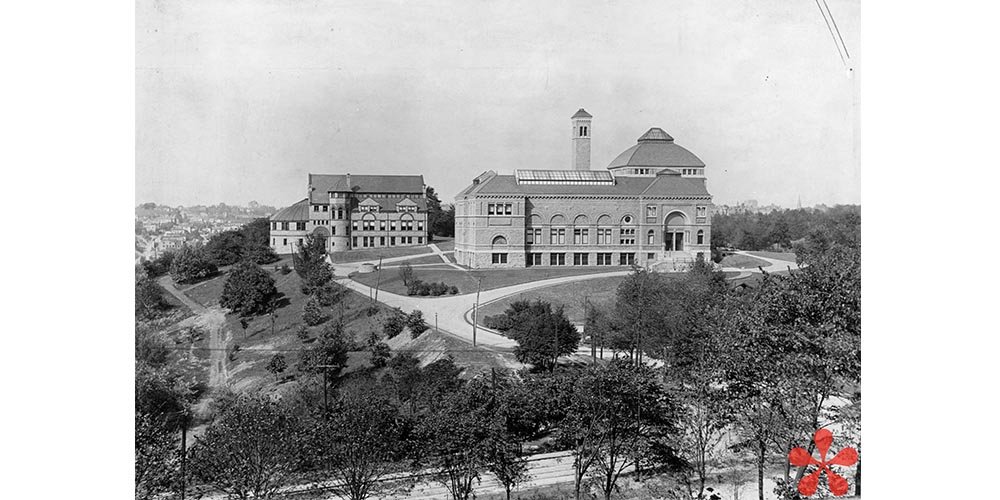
pixel 360 211
pixel 651 207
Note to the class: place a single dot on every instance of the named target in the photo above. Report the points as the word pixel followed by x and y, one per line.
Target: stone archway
pixel 324 235
pixel 674 225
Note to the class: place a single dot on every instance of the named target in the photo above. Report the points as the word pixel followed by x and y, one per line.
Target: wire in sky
pixel 832 35
pixel 834 21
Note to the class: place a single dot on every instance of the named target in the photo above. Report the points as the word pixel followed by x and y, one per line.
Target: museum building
pixel 360 211
pixel 650 207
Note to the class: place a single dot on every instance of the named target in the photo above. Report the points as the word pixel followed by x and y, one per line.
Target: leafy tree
pixel 191 264
pixel 415 322
pixel 317 277
pixel 248 290
pixel 158 266
pixel 617 417
pixel 249 242
pixel 312 314
pixel 277 365
pixel 149 301
pixel 251 449
pixel 150 349
pixel 394 323
pixel 543 334
pixel 309 255
pixel 440 222
pixel 380 354
pixel 156 456
pixel 362 441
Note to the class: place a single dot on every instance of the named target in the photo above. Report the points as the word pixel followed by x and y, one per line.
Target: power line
pixel 832 35
pixel 834 21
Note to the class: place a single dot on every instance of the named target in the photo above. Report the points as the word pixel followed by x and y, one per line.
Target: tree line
pixel 786 229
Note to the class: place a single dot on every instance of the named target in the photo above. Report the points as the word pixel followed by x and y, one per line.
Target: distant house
pixel 360 211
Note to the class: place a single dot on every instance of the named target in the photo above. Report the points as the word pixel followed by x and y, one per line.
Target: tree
pixel 617 417
pixel 416 324
pixel 312 314
pixel 406 273
pixel 149 301
pixel 543 334
pixel 277 365
pixel 394 323
pixel 191 264
pixel 309 255
pixel 380 354
pixel 440 222
pixel 251 449
pixel 362 440
pixel 317 277
pixel 156 456
pixel 248 290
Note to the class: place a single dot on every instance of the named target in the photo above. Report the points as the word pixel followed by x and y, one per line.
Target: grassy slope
pixel 372 254
pixel 789 256
pixel 466 280
pixel 743 262
pixel 600 291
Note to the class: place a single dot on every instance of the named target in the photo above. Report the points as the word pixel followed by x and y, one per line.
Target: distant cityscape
pixel 161 228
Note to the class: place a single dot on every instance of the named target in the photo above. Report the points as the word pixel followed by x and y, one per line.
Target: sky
pixel 239 100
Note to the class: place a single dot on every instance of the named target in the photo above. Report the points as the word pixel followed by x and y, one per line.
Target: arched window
pixel 626 234
pixel 650 237
pixel 701 237
pixel 499 241
pixel 581 233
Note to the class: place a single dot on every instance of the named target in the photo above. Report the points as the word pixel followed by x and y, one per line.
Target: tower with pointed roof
pixel 581 121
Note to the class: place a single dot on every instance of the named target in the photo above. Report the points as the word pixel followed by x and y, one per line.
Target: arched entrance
pixel 673 232
pixel 323 234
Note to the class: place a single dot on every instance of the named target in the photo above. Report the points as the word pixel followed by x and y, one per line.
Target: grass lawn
pixel 600 291
pixel 743 262
pixel 789 256
pixel 430 259
pixel 372 254
pixel 466 280
pixel 445 244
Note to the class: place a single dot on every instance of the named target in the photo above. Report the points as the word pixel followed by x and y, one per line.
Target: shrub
pixel 380 354
pixel 312 314
pixel 453 290
pixel 415 322
pixel 302 333
pixel 158 266
pixel 417 287
pixel 329 294
pixel 285 269
pixel 394 324
pixel 498 322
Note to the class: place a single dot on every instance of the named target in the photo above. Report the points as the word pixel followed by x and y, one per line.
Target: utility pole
pixel 184 426
pixel 436 323
pixel 378 278
pixel 475 312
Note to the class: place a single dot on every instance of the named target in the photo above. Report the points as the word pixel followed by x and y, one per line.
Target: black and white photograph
pixel 497 250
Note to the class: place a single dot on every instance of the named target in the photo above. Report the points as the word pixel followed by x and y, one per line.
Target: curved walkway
pixel 773 266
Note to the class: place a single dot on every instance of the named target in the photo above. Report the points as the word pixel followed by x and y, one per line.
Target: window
pixel 557 259
pixel 581 236
pixel 284 241
pixel 284 226
pixel 557 237
pixel 529 236
pixel 406 225
pixel 534 259
pixel 701 237
pixel 650 256
pixel 650 237
pixel 420 240
pixel 354 225
pixel 499 240
pixel 604 236
pixel 580 259
pixel 626 259
pixel 355 242
pixel 420 225
pixel 333 230
pixel 340 213
pixel 499 258
pixel 491 209
pixel 315 208
pixel 627 236
pixel 392 241
pixel 300 226
pixel 381 225
pixel 300 241
pixel 392 225
pixel 700 214
pixel 650 213
pixel 499 209
pixel 274 226
pixel 326 208
pixel 272 242
pixel 604 259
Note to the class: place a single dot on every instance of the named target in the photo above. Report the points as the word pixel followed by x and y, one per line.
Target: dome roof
pixel 656 149
pixel 298 212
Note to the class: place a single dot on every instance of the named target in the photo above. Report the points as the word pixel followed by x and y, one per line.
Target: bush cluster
pixel 312 314
pixel 394 324
pixel 417 287
pixel 498 322
pixel 416 324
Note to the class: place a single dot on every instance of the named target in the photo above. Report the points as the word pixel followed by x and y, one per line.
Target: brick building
pixel 361 211
pixel 650 207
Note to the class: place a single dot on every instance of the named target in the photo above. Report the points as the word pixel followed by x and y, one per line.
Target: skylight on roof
pixel 565 177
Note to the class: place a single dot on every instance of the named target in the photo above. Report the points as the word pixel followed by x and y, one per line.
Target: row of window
pixel 692 171
pixel 579 259
pixel 370 241
pixel 404 225
pixel 582 236
pixel 499 209
pixel 377 208
pixel 335 214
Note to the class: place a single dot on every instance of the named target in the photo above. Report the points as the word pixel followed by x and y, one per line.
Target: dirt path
pixel 212 320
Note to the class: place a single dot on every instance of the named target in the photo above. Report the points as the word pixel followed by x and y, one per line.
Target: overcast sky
pixel 238 100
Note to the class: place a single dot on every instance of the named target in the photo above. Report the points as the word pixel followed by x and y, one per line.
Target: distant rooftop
pixel 581 113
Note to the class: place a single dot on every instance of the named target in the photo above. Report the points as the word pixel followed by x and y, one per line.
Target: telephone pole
pixel 475 312
pixel 378 279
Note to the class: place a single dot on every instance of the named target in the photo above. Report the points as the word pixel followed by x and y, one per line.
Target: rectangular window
pixel 586 236
pixel 420 241
pixel 650 213
pixel 420 225
pixel 315 208
pixel 534 259
pixel 507 209
pixel 333 230
pixel 491 209
pixel 300 241
pixel 392 225
pixel 626 259
pixel 529 236
pixel 381 241
pixel 562 236
pixel 326 208
pixel 284 241
pixel 580 259
pixel 284 226
pixel 355 242
pixel 627 236
pixel 650 256
pixel 300 226
pixel 499 258
pixel 392 241
pixel 354 225
pixel 340 213
pixel 557 259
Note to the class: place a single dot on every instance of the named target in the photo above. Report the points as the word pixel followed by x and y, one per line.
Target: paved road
pixel 774 265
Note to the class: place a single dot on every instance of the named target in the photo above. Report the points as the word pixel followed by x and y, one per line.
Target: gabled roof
pixel 407 203
pixel 298 212
pixel 581 113
pixel 325 183
pixel 368 202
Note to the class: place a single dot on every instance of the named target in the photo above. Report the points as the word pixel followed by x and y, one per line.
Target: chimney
pixel 348 181
pixel 581 139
